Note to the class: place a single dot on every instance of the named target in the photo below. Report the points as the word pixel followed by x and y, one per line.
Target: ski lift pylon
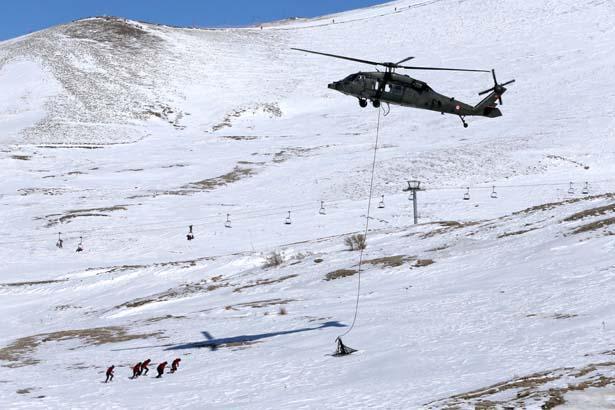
pixel 227 224
pixel 381 203
pixel 586 189
pixel 80 246
pixel 60 242
pixel 288 221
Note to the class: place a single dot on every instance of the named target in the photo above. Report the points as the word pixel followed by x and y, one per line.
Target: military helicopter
pixel 392 88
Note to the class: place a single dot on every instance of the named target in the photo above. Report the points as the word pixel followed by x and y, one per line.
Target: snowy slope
pixel 124 133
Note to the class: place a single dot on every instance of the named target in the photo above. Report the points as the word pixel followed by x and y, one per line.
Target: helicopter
pixel 398 89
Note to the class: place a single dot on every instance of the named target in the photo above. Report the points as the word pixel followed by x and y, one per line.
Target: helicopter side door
pixel 416 94
pixel 393 92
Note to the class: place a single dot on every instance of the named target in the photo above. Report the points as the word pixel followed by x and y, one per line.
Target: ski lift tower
pixel 414 186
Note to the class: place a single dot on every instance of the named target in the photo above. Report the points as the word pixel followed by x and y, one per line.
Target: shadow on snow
pixel 213 343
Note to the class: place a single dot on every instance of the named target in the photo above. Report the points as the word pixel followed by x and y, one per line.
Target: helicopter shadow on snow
pixel 213 343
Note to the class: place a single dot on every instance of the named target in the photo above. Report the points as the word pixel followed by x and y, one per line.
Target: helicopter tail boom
pixel 488 106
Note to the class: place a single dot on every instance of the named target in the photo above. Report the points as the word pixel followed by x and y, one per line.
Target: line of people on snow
pixel 142 368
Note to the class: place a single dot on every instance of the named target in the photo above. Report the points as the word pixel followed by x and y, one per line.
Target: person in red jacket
pixel 144 367
pixel 110 374
pixel 175 365
pixel 160 369
pixel 136 370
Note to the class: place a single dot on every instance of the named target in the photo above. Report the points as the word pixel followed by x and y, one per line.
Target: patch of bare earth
pixel 290 152
pixel 446 227
pixel 593 226
pixel 598 211
pixel 68 216
pixel 239 172
pixel 20 352
pixel 182 291
pixel 161 318
pixel 514 233
pixel 66 307
pixel 553 205
pixel 592 212
pixel 545 390
pixel 420 263
pixel 240 137
pixel 43 191
pixel 399 260
pixel 389 261
pixel 26 390
pixel 125 268
pixel 272 109
pixel 257 304
pixel 263 282
pixel 340 273
pixel 33 283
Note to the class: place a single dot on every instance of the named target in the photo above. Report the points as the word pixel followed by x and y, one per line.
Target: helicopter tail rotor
pixel 497 88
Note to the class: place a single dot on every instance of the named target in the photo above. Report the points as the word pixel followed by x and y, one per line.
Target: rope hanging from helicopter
pixel 367 218
pixel 386 111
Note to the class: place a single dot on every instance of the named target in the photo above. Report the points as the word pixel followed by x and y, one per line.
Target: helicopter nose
pixel 333 85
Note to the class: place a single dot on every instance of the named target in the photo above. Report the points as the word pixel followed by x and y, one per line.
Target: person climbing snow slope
pixel 136 370
pixel 160 369
pixel 144 367
pixel 175 365
pixel 110 374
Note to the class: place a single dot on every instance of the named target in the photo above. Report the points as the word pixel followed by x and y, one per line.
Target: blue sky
pixel 19 17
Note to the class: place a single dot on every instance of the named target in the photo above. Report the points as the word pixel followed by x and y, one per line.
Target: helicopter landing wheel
pixel 362 102
pixel 463 120
pixel 465 125
pixel 376 103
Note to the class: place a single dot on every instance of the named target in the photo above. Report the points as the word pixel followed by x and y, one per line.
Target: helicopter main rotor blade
pixel 442 69
pixel 404 60
pixel 338 56
pixel 486 91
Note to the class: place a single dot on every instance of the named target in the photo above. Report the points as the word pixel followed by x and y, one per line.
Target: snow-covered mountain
pixel 121 134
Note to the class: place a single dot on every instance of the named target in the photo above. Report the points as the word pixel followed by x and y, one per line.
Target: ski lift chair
pixel 322 208
pixel 494 194
pixel 466 196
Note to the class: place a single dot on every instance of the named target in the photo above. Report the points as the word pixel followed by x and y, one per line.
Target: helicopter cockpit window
pixel 351 78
